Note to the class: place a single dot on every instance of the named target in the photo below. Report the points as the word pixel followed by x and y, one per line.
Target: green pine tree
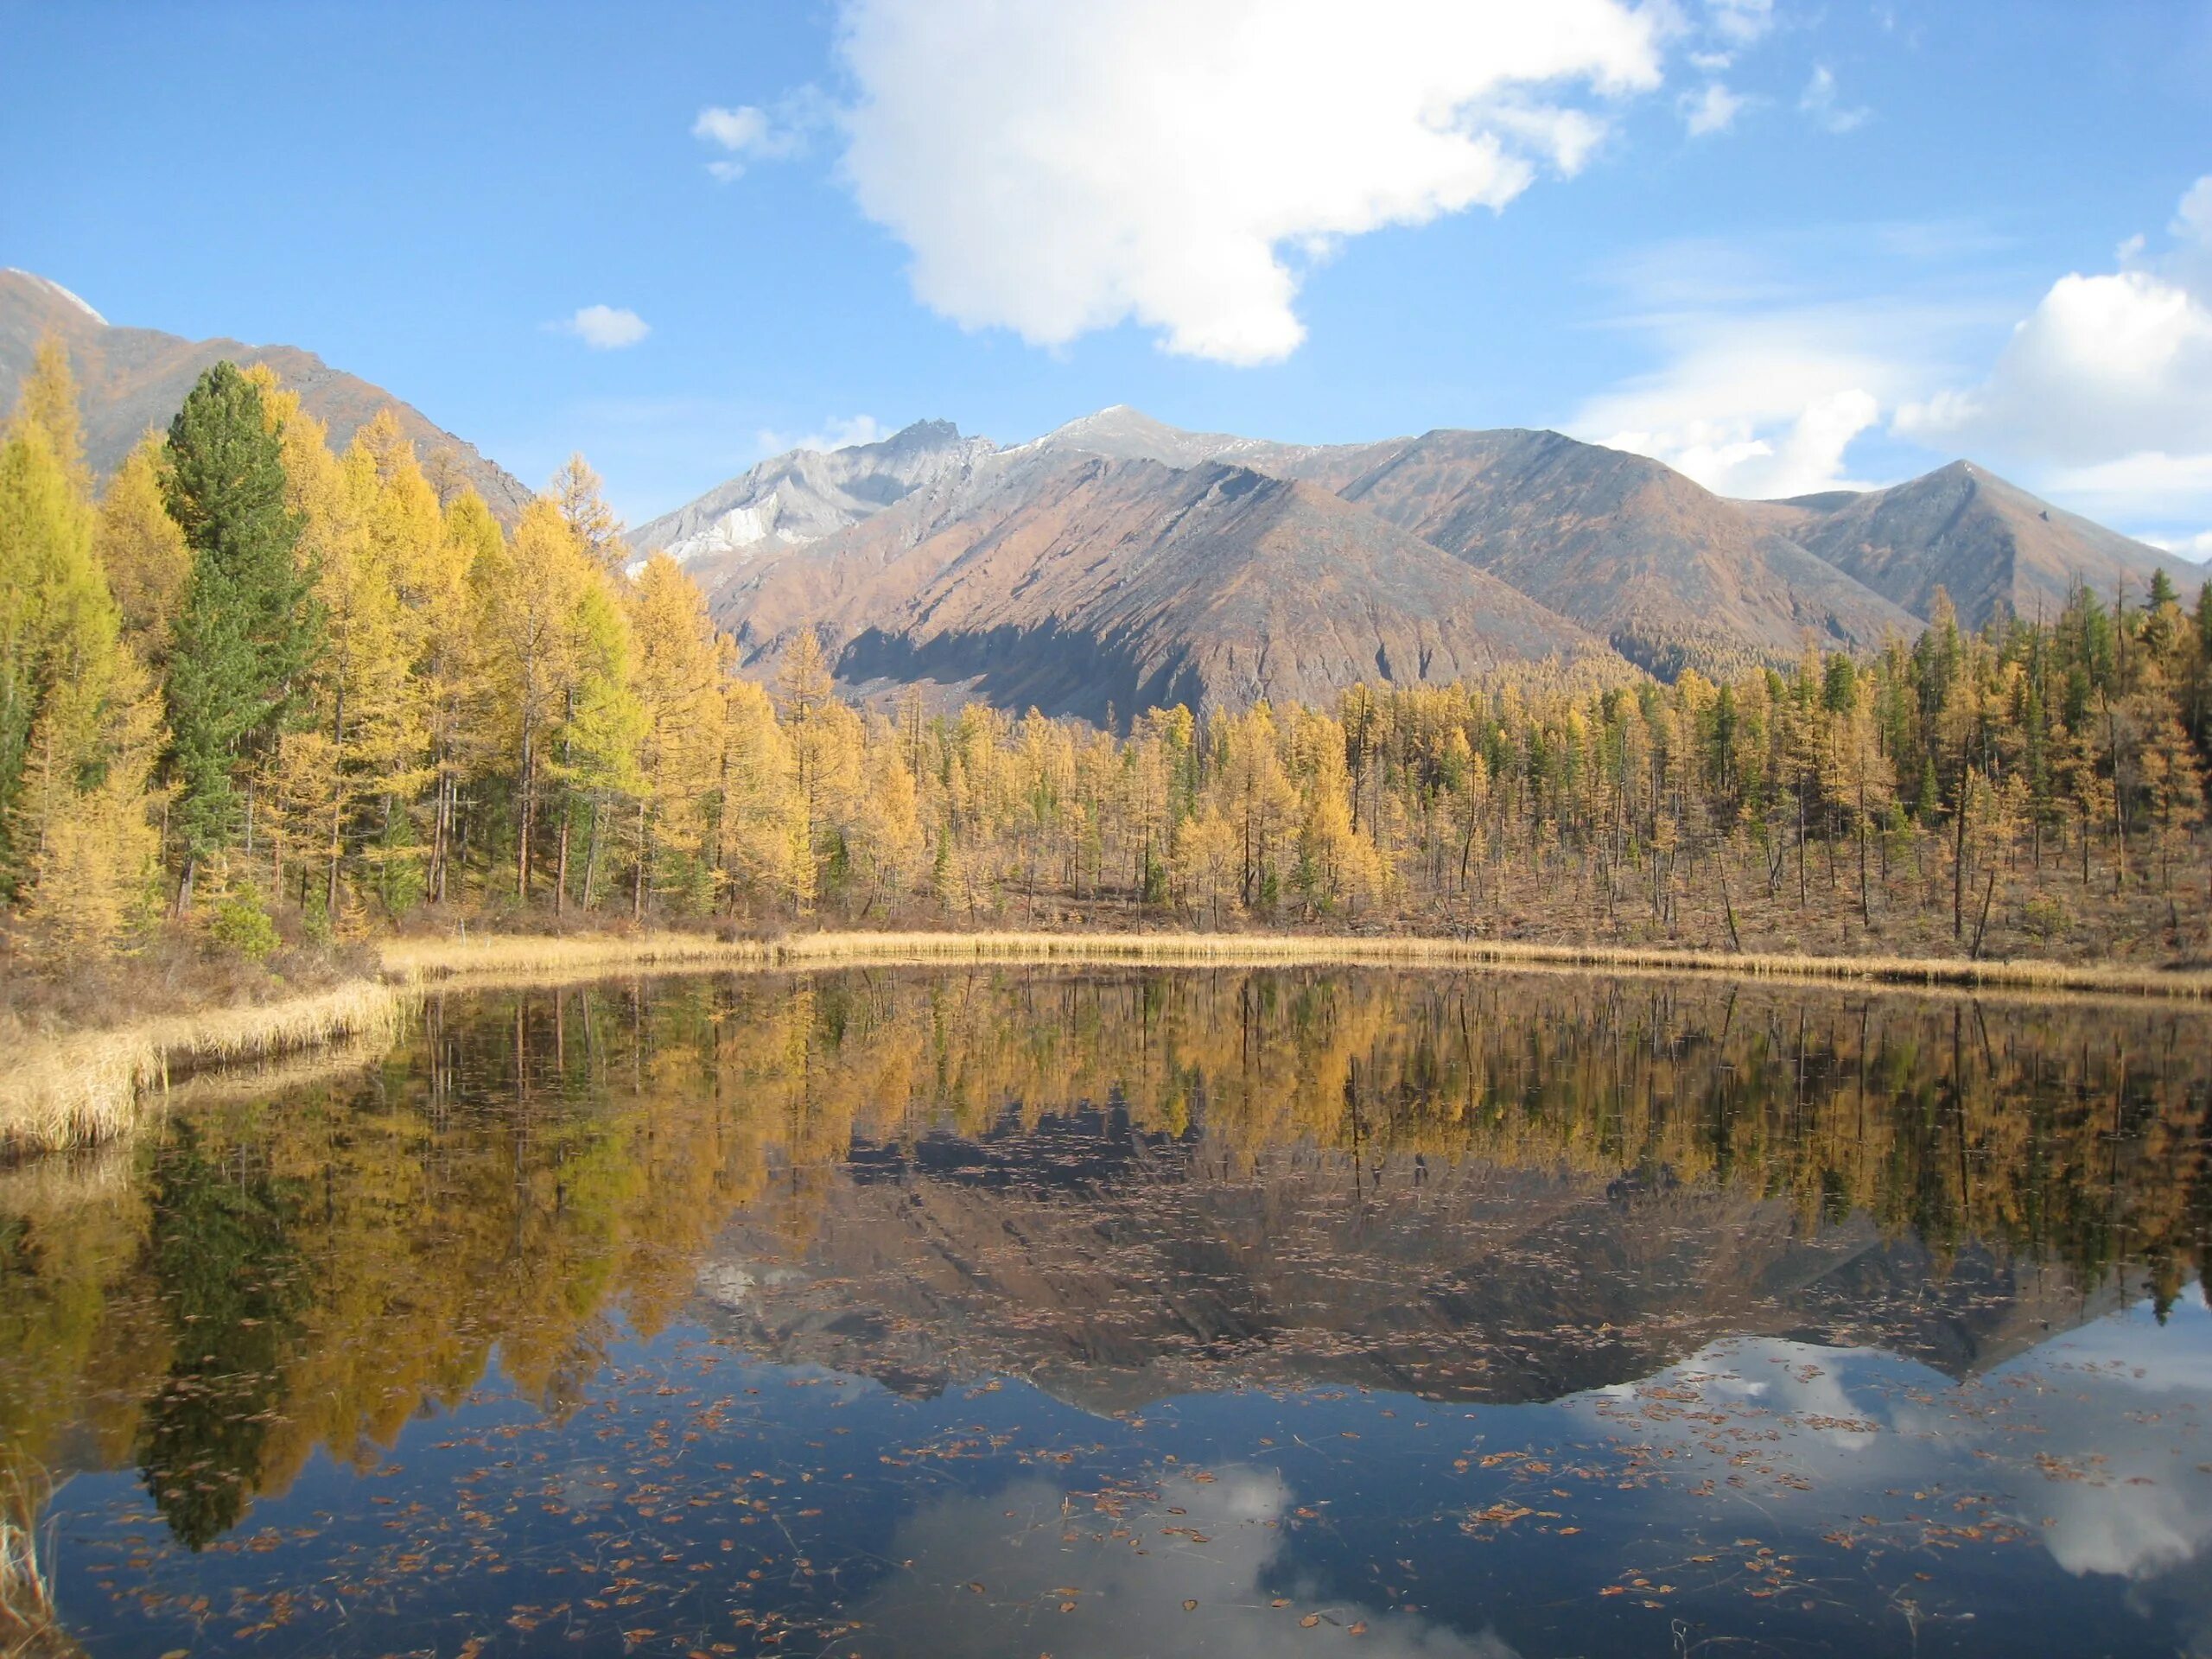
pixel 249 629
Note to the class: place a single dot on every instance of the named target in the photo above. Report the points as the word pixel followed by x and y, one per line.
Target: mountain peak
pixel 934 434
pixel 55 290
pixel 130 379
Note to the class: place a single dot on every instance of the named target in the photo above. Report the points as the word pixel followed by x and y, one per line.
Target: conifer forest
pixel 255 690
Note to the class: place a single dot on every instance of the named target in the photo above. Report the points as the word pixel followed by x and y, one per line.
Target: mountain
pixel 1119 561
pixel 1672 575
pixel 130 379
pixel 1994 548
pixel 807 494
pixel 1114 1269
pixel 1081 584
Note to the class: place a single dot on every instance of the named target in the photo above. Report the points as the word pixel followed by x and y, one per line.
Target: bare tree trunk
pixel 1959 856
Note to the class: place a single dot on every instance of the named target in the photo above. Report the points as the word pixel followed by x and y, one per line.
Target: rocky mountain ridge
pixel 945 560
pixel 1117 562
pixel 133 380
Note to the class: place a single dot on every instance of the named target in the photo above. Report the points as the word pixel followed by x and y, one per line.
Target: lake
pixel 1120 1312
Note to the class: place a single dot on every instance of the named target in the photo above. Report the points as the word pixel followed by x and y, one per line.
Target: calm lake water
pixel 1117 1313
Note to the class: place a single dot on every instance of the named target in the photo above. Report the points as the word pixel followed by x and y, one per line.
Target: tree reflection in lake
pixel 1122 1291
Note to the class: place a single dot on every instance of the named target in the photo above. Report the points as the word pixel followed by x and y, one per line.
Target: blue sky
pixel 1780 244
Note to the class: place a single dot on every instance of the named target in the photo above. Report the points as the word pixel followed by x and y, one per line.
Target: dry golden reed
pixel 85 1089
pixel 527 959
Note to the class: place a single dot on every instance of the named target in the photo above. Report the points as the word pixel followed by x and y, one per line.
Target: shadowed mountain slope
pixel 1078 584
pixel 131 380
pixel 1995 549
pixel 1674 576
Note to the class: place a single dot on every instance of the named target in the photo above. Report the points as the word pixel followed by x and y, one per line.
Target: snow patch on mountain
pixel 55 289
pixel 806 495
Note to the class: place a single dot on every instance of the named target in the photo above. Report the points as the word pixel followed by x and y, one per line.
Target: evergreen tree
pixel 249 627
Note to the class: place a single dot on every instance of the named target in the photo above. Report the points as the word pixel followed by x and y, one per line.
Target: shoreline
pixel 84 1087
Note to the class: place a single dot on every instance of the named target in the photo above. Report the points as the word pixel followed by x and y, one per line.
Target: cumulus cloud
pixel 2104 366
pixel 1712 109
pixel 1762 382
pixel 605 328
pixel 1056 169
pixel 1824 104
pixel 837 433
pixel 1785 431
pixel 2109 380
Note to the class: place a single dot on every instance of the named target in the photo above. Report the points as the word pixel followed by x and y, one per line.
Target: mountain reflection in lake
pixel 1020 1311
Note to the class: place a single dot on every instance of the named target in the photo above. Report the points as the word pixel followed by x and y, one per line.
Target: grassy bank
pixel 517 959
pixel 88 1087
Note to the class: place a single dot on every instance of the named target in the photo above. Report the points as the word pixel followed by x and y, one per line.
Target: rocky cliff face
pixel 130 380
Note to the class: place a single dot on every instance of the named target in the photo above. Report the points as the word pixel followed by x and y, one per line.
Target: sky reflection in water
pixel 991 1313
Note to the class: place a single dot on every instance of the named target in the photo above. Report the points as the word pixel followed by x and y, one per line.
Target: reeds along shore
pixel 90 1087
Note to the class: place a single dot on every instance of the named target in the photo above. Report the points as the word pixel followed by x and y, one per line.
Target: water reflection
pixel 1422 1304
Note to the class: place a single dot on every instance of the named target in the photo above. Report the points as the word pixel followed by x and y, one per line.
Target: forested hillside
pixel 260 694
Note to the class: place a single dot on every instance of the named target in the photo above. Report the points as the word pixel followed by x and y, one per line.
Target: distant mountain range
pixel 130 379
pixel 1117 564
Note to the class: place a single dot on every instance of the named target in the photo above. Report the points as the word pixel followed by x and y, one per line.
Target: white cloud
pixel 749 133
pixel 2104 366
pixel 1056 169
pixel 605 328
pixel 2198 547
pixel 1820 101
pixel 1740 21
pixel 1784 431
pixel 837 433
pixel 1714 110
pixel 1762 381
pixel 976 1570
pixel 738 129
pixel 2109 380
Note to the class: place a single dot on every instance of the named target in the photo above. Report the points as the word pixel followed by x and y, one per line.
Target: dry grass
pixel 79 1090
pixel 29 1626
pixel 85 1087
pixel 531 959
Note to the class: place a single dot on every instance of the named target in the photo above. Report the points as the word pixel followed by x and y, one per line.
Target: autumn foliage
pixel 258 681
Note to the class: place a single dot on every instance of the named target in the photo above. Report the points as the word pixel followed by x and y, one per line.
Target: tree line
pixel 257 686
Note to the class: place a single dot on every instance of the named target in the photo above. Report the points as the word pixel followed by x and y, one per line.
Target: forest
pixel 261 696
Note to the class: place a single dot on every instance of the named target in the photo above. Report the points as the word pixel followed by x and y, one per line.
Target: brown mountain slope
pixel 1995 549
pixel 1672 575
pixel 130 379
pixel 1077 584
